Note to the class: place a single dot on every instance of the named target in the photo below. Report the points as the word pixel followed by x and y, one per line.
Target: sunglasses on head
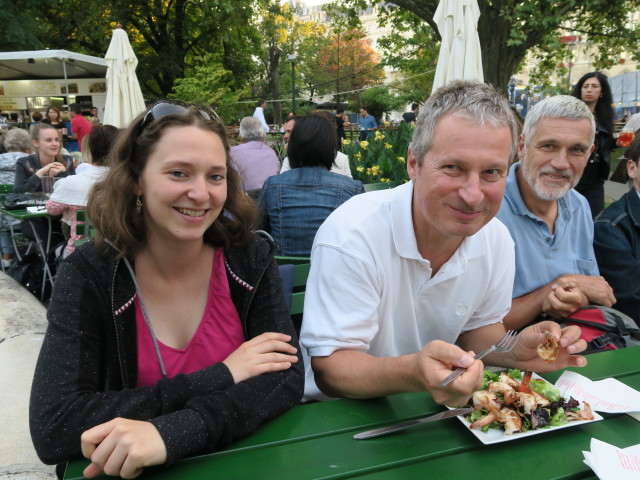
pixel 162 109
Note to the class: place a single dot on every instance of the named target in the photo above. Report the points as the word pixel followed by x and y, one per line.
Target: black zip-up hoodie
pixel 86 371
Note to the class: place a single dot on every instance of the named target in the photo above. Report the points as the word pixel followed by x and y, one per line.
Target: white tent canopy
pixel 35 64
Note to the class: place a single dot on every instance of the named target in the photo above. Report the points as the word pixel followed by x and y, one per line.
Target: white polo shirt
pixel 369 289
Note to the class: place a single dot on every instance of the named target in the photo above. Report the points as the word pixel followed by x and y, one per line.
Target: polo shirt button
pixel 548 239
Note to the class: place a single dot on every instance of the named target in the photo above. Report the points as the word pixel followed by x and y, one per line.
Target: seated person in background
pixel 340 164
pixel 254 160
pixel 32 170
pixel 209 354
pixel 17 143
pixel 405 284
pixel 550 223
pixel 47 161
pixel 70 193
pixel 617 240
pixel 295 203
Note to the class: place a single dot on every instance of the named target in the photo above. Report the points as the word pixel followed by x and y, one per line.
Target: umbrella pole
pixel 66 81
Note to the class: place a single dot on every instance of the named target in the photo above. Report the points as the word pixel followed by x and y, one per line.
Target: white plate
pixel 498 436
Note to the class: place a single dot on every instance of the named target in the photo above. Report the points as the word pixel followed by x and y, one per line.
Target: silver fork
pixel 504 345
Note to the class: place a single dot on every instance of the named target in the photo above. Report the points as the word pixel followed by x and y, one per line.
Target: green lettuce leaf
pixel 546 390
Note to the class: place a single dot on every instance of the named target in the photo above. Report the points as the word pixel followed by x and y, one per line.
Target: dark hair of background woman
pixel 112 202
pixel 100 140
pixel 313 142
pixel 604 110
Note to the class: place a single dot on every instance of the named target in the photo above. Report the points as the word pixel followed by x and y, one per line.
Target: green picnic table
pixel 315 441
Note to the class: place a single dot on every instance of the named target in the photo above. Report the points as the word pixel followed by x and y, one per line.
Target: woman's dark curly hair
pixel 112 202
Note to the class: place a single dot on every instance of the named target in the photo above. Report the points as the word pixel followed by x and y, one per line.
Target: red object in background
pixel 625 139
pixel 622 60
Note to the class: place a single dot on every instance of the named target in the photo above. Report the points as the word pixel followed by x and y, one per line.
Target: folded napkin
pixel 608 395
pixel 612 463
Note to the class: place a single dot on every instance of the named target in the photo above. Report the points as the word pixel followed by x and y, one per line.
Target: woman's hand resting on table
pixel 268 352
pixel 122 447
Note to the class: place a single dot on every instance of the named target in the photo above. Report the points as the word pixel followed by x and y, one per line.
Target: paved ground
pixel 614 190
pixel 22 327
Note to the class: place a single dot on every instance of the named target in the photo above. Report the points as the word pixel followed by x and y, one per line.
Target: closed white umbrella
pixel 124 97
pixel 460 56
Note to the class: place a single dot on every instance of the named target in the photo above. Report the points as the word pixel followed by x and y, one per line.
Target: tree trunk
pixel 274 82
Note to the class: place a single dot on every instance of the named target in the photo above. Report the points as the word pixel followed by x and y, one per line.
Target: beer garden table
pixel 42 245
pixel 315 441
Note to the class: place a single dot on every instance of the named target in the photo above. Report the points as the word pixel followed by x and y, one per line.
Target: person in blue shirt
pixel 550 223
pixel 367 124
pixel 295 203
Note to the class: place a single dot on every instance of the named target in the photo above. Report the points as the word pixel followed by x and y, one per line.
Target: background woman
pixel 70 193
pixel 32 170
pixel 169 335
pixel 54 118
pixel 295 203
pixel 593 89
pixel 47 161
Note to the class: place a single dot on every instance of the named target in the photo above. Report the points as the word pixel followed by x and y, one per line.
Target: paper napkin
pixel 612 463
pixel 608 395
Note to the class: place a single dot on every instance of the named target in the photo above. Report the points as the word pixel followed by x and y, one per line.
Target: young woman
pixel 593 89
pixel 54 118
pixel 32 171
pixel 47 161
pixel 169 335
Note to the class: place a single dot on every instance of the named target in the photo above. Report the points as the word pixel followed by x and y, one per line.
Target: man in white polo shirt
pixel 398 276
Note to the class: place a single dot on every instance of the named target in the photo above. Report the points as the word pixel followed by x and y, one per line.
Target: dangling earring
pixel 138 205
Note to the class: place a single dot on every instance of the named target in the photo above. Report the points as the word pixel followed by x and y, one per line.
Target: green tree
pixel 508 29
pixel 19 24
pixel 208 83
pixel 166 36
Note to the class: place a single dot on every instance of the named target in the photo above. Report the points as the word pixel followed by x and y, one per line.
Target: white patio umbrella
pixel 124 97
pixel 460 56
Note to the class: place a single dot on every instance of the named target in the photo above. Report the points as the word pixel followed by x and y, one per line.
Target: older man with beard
pixel 556 269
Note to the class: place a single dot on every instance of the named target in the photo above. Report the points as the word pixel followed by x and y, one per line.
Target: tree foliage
pixel 509 29
pixel 166 36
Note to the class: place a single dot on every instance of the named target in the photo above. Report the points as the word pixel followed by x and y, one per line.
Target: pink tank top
pixel 219 333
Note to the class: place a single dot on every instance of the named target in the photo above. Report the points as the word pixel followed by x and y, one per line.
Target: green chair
pixel 301 267
pixel 372 187
pixel 6 188
pixel 83 223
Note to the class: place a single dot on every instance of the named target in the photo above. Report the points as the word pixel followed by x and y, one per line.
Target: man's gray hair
pixel 478 102
pixel 559 106
pixel 251 129
pixel 17 140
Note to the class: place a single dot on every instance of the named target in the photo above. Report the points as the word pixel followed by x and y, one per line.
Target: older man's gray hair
pixel 251 129
pixel 560 106
pixel 478 102
pixel 17 140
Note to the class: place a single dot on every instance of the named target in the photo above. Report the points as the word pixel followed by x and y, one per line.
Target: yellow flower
pixel 346 141
pixel 401 159
pixel 358 156
pixel 386 124
pixel 368 171
pixel 364 144
pixel 388 146
pixel 360 169
pixel 378 135
pixel 384 180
